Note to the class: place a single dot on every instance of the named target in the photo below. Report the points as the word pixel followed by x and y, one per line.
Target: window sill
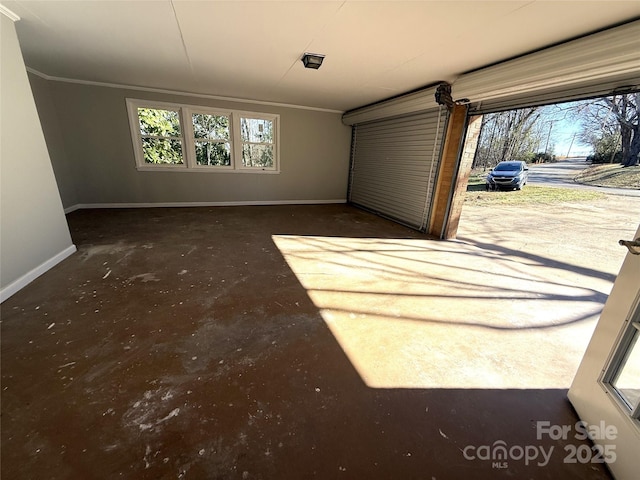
pixel 183 169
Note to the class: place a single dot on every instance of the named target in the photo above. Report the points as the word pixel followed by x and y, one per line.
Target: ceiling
pixel 252 49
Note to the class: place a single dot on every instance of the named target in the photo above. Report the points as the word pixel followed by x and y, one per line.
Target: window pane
pixel 627 379
pixel 254 155
pixel 213 153
pixel 160 123
pixel 159 150
pixel 256 130
pixel 210 126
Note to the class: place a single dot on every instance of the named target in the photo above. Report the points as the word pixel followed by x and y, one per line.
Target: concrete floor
pixel 291 342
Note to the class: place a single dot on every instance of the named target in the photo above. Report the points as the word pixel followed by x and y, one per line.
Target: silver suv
pixel 507 176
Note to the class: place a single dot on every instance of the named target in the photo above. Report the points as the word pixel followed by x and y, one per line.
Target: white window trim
pixel 190 140
pixel 239 144
pixel 136 135
pixel 188 144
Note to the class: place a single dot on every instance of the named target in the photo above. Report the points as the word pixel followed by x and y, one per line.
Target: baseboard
pixel 81 206
pixel 30 276
pixel 20 283
pixel 72 208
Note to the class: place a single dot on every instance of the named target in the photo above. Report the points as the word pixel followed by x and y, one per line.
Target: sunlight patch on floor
pixel 413 313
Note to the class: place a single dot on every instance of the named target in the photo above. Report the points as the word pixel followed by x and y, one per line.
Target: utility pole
pixel 548 137
pixel 571 144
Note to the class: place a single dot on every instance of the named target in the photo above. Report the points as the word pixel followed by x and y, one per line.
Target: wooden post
pixel 447 171
pixel 464 169
pixel 454 170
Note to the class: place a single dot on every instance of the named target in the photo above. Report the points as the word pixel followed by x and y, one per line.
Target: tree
pixel 611 126
pixel 626 111
pixel 509 135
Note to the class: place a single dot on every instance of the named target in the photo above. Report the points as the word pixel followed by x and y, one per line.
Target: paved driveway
pixel 563 260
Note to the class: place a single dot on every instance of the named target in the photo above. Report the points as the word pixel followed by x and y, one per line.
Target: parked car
pixel 508 175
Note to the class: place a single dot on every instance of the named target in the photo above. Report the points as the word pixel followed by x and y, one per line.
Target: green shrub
pixel 543 157
pixel 605 157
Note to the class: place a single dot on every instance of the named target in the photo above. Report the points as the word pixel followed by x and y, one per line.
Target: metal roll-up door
pixel 600 64
pixel 394 165
pixel 558 95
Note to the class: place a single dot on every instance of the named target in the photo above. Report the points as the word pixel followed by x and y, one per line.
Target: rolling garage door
pixel 394 165
pixel 600 64
pixel 397 143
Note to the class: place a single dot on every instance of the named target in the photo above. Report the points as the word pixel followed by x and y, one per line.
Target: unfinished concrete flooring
pixel 274 343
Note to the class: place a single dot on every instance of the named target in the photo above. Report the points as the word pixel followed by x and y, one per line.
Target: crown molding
pixel 176 92
pixel 8 13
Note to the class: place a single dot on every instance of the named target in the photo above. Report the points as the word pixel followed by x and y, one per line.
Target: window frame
pixel 191 140
pixel 188 141
pixel 136 134
pixel 241 143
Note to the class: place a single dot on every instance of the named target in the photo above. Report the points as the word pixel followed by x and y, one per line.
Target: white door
pixel 606 389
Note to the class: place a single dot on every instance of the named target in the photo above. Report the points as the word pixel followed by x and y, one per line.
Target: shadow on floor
pixel 178 343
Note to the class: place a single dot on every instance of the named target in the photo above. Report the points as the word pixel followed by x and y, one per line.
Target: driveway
pixel 562 173
pixel 563 260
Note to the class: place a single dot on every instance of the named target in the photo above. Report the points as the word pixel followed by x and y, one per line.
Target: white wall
pixel 34 235
pixel 91 148
pixel 51 125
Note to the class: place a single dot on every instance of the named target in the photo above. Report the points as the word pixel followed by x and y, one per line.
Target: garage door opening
pixel 559 232
pixel 528 275
pixel 603 130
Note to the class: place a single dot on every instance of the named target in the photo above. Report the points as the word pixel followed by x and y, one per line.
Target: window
pixel 257 142
pixel 190 138
pixel 160 135
pixel 212 139
pixel 622 377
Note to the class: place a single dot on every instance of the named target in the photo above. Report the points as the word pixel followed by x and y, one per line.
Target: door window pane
pixel 627 378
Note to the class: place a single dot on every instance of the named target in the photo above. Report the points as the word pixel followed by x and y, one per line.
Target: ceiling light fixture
pixel 312 60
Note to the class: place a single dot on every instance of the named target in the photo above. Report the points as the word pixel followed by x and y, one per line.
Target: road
pixel 562 173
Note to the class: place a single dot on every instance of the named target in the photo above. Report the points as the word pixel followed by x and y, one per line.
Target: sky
pixel 565 130
pixel 564 134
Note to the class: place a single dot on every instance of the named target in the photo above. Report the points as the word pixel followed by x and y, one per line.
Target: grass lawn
pixel 477 195
pixel 611 175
